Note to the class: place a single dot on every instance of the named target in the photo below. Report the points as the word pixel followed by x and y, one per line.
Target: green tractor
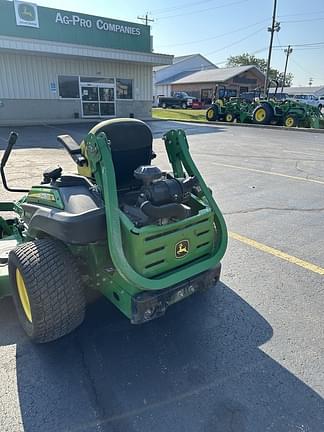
pixel 228 109
pixel 288 113
pixel 217 110
pixel 142 237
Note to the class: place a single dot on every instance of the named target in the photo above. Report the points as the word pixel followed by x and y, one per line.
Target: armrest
pixel 73 148
pixel 68 142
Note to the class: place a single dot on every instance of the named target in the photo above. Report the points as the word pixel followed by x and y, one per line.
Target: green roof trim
pixel 28 21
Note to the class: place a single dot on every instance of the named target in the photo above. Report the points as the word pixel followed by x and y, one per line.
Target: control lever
pixel 11 142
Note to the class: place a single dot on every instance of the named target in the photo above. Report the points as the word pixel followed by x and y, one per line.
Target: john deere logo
pixel 26 14
pixel 181 248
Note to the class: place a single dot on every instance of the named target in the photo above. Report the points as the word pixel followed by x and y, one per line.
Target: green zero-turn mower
pixel 143 237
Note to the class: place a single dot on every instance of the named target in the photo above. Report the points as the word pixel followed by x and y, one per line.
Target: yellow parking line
pixel 278 253
pixel 269 172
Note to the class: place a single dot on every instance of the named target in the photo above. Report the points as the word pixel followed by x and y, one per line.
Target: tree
pixel 247 59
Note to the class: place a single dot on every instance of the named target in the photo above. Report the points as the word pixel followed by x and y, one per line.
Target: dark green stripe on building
pixel 70 27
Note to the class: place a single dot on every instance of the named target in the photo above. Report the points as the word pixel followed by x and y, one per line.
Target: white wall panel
pixel 29 76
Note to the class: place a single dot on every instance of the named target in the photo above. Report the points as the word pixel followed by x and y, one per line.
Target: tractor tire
pixel 263 114
pixel 47 290
pixel 229 117
pixel 212 114
pixel 290 121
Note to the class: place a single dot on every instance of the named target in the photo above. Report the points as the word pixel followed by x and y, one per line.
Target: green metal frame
pixel 101 164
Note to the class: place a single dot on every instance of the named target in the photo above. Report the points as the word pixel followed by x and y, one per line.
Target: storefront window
pixel 68 87
pixel 124 88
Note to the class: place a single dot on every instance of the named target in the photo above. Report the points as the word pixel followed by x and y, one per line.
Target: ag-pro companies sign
pixel 98 23
pixel 27 20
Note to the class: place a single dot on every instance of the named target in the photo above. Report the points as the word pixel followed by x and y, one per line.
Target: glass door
pixel 90 101
pixel 97 97
pixel 107 101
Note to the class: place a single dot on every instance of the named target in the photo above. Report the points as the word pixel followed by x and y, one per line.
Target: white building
pixel 182 66
pixel 56 64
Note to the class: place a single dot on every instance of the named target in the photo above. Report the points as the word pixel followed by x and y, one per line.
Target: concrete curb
pixel 20 123
pixel 249 125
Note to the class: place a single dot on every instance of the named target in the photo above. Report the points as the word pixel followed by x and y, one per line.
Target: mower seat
pixel 131 146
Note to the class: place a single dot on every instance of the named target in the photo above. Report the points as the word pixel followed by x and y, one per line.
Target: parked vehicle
pixel 178 100
pixel 310 99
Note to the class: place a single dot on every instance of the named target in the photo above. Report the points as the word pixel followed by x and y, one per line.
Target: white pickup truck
pixel 317 101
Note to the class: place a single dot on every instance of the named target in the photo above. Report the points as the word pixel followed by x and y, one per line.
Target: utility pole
pixel 288 51
pixel 310 82
pixel 146 18
pixel 275 26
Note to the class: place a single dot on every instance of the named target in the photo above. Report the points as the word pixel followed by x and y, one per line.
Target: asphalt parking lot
pixel 245 357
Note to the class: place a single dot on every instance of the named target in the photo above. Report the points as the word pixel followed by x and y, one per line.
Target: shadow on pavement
pixel 45 136
pixel 198 369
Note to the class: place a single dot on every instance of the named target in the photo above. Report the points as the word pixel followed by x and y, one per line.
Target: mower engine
pixel 161 198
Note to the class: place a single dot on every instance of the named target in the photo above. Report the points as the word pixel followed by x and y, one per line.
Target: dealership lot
pixel 246 356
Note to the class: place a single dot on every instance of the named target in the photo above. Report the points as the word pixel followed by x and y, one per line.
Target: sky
pixel 218 29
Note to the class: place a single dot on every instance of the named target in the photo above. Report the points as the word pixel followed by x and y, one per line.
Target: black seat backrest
pixel 131 146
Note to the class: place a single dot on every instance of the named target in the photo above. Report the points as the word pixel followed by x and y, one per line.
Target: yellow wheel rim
pixel 229 117
pixel 210 114
pixel 23 295
pixel 289 122
pixel 260 114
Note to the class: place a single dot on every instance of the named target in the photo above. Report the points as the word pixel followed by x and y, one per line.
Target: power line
pixel 212 37
pixel 237 41
pixel 301 45
pixel 202 10
pixel 183 5
pixel 305 70
pixel 303 13
pixel 305 20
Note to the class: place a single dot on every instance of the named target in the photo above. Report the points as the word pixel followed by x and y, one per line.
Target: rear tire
pixel 263 114
pixel 212 114
pixel 47 290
